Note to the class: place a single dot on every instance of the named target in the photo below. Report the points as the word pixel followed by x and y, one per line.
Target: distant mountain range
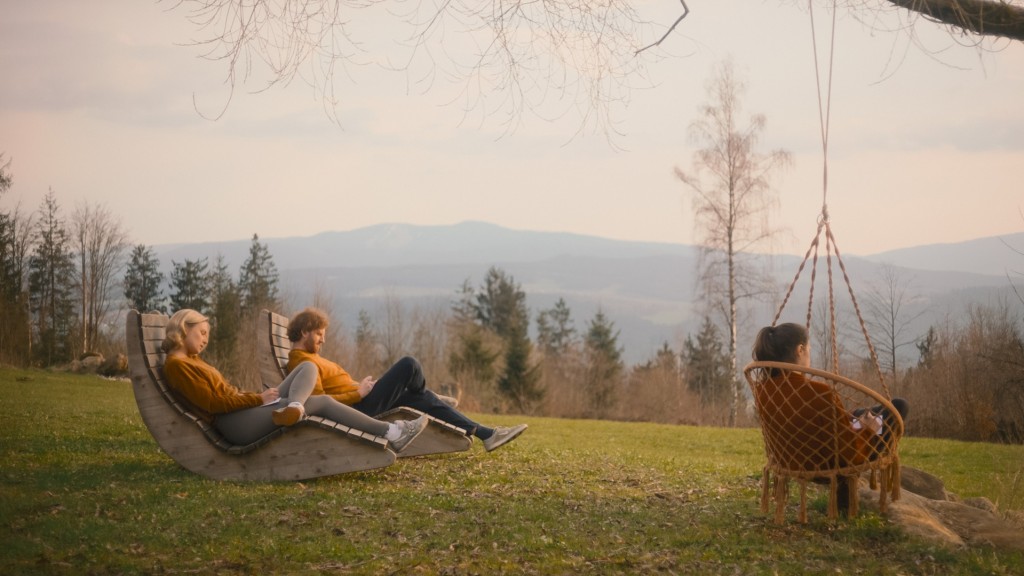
pixel 646 289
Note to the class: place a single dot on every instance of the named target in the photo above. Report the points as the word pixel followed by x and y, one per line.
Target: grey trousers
pixel 250 424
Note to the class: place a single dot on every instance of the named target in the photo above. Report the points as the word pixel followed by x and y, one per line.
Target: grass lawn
pixel 86 490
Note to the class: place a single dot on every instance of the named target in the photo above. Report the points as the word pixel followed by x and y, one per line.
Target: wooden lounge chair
pixel 273 348
pixel 809 437
pixel 312 448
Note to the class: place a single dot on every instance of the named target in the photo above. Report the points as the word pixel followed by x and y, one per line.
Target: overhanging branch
pixel 686 10
pixel 981 17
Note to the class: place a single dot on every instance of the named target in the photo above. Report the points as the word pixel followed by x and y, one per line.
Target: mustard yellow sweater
pixel 205 388
pixel 331 378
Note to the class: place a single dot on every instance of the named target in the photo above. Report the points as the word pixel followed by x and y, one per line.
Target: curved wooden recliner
pixel 273 347
pixel 312 448
pixel 811 435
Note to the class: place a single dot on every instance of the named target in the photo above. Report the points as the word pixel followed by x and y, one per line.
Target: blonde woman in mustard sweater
pixel 244 417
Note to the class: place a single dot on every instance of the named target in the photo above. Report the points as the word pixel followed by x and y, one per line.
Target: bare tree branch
pixel 997 18
pixel 686 11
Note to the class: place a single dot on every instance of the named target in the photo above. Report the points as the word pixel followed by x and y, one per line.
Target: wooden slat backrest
pixel 152 329
pixel 274 346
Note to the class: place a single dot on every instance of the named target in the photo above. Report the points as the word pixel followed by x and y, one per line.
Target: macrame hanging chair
pixel 818 426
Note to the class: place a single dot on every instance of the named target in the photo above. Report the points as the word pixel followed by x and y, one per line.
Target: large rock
pixel 936 515
pixel 116 365
pixel 87 363
pixel 923 484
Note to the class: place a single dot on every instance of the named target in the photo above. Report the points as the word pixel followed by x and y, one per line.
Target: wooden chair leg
pixel 781 496
pixel 853 495
pixel 833 497
pixel 803 502
pixel 765 489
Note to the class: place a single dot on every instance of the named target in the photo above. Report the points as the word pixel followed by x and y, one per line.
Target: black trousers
pixel 404 385
pixel 901 406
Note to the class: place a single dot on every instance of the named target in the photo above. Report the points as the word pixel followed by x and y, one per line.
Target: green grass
pixel 85 490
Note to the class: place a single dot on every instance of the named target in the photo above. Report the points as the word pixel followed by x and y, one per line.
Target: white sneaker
pixel 289 415
pixel 410 430
pixel 503 435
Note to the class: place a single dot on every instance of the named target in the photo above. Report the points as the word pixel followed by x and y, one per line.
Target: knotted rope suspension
pixel 824 224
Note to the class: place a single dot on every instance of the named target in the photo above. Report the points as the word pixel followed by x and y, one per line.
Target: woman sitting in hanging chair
pixel 812 413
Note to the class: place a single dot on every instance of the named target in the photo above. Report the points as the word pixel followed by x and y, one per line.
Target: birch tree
pixel 100 242
pixel 732 197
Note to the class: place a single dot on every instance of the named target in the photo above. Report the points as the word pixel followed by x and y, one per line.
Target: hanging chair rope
pixel 824 105
pixel 824 224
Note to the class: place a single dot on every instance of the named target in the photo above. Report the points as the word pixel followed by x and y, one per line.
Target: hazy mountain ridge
pixel 992 255
pixel 385 245
pixel 646 289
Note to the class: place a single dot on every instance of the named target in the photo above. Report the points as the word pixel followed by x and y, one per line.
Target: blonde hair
pixel 178 326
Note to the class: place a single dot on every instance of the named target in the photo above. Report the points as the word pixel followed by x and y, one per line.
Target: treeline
pixel 967 383
pixel 66 280
pixel 58 278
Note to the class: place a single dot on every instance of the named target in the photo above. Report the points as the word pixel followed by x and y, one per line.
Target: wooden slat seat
pixel 273 348
pixel 312 448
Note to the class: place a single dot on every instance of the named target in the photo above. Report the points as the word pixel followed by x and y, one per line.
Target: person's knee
pixel 305 367
pixel 305 372
pixel 315 405
pixel 408 364
pixel 901 406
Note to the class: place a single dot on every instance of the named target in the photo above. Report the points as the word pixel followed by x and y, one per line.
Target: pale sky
pixel 926 146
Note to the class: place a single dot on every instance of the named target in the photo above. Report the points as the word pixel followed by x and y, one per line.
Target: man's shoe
pixel 451 402
pixel 410 430
pixel 289 415
pixel 503 435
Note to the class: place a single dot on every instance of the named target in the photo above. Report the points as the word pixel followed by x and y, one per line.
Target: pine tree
pixel 51 273
pixel 473 350
pixel 521 379
pixel 500 304
pixel 15 330
pixel 501 307
pixel 142 280
pixel 706 364
pixel 258 278
pixel 555 332
pixel 189 286
pixel 605 368
pixel 225 316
